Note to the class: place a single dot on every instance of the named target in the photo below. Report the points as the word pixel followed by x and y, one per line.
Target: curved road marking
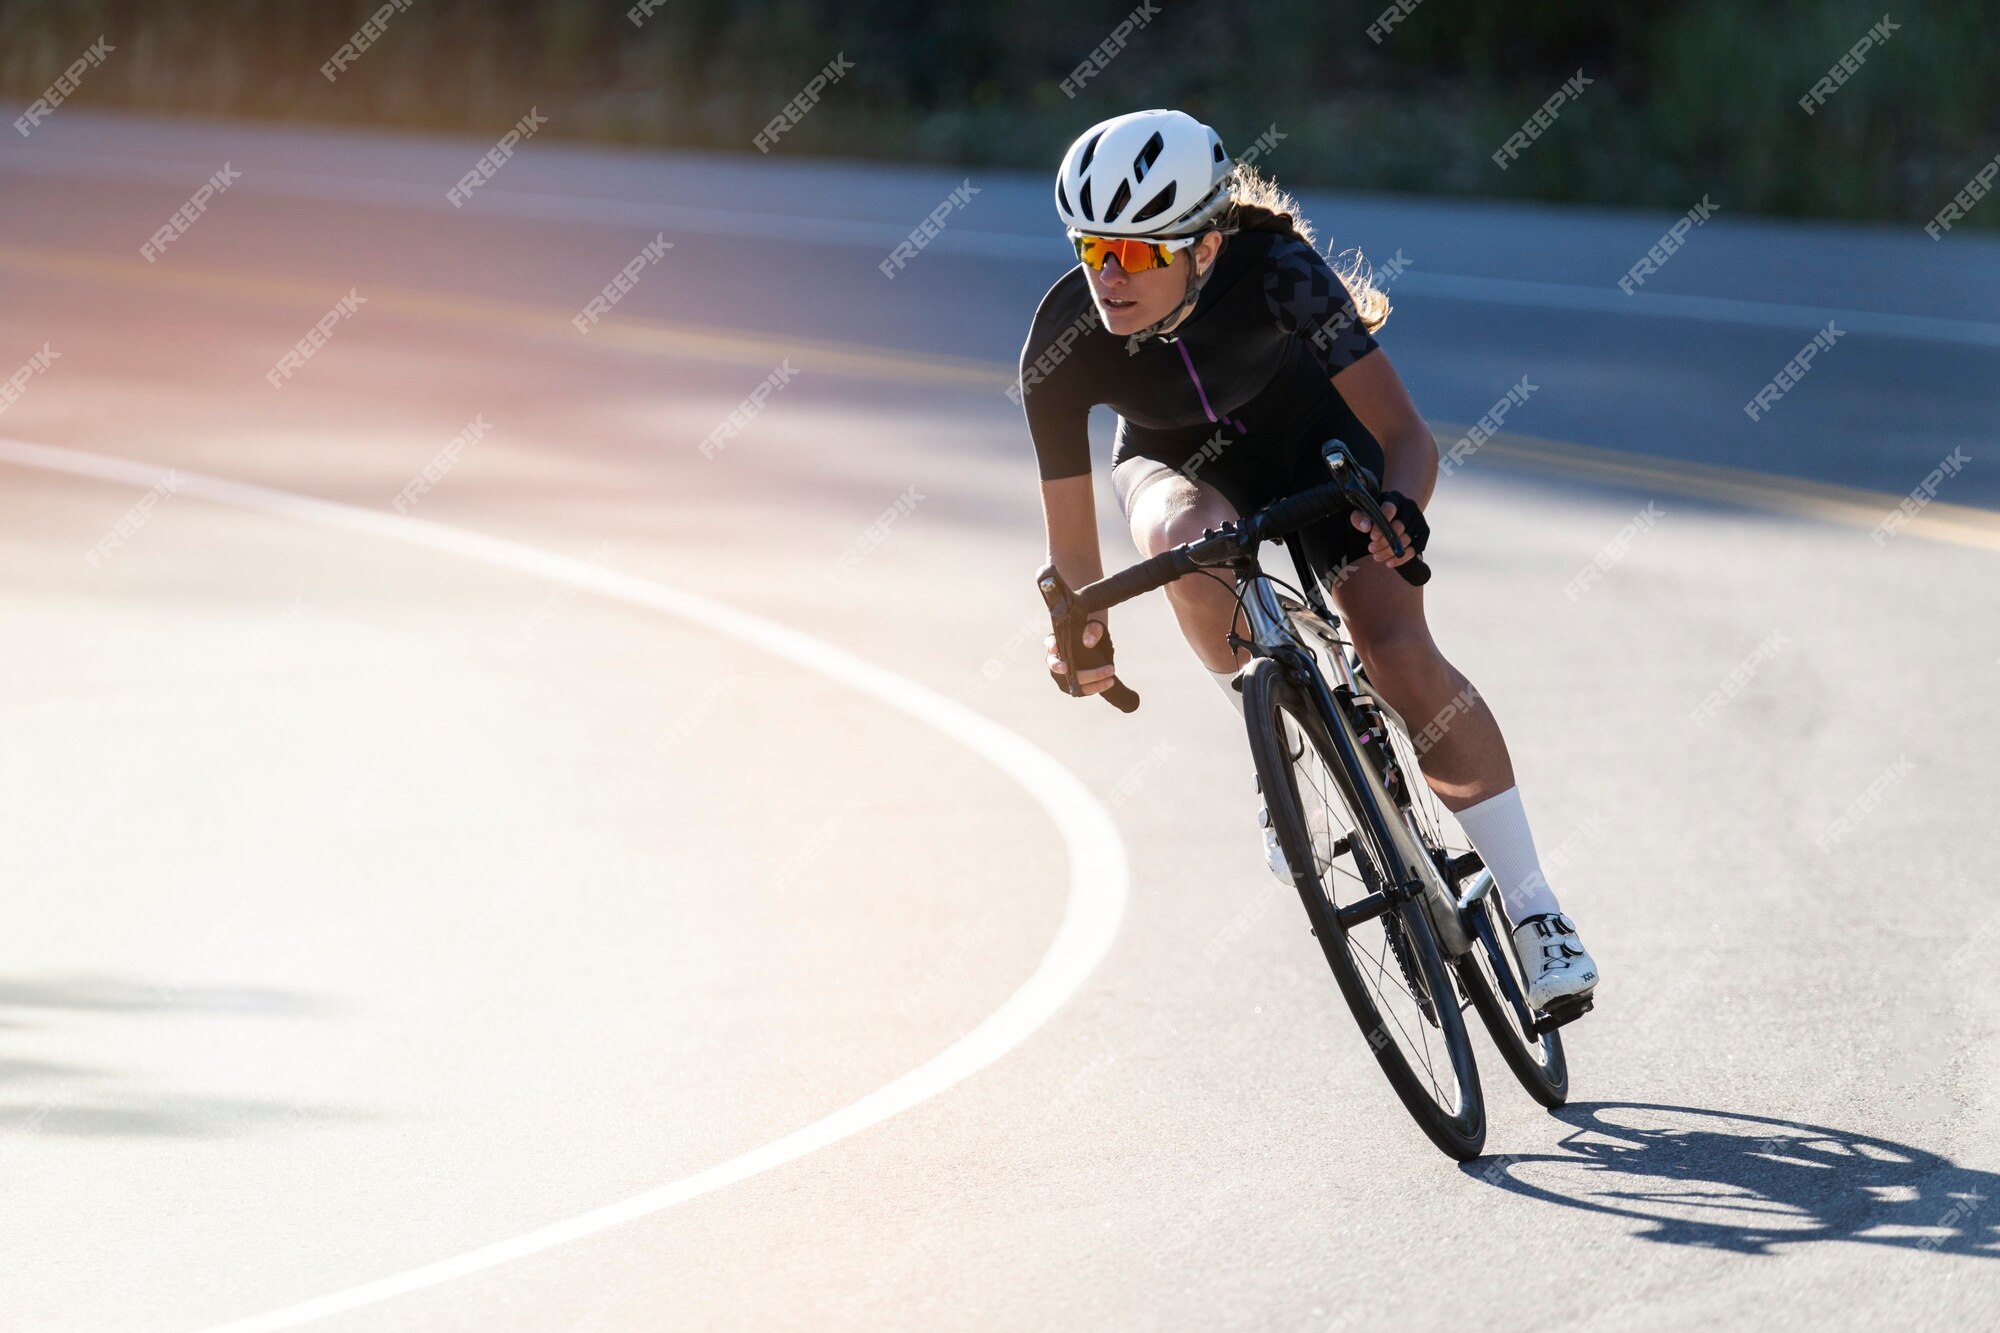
pixel 1099 877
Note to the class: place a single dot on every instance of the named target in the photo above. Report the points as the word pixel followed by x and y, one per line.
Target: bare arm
pixel 1069 512
pixel 1376 393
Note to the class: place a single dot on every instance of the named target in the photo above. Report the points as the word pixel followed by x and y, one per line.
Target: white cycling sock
pixel 1223 678
pixel 1498 827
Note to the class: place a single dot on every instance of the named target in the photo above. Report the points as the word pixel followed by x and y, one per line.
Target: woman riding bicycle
pixel 1230 350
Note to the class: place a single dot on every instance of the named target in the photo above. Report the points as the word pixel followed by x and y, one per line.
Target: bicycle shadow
pixel 46 1100
pixel 1748 1183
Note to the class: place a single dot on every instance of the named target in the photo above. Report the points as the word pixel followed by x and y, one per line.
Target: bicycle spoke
pixel 1378 959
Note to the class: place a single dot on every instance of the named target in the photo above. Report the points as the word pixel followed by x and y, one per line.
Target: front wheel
pixel 1386 964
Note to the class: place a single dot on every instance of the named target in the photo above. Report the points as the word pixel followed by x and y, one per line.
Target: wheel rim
pixel 1438 832
pixel 1394 984
pixel 1542 1050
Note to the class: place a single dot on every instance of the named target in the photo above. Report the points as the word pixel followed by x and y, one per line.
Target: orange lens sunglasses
pixel 1133 255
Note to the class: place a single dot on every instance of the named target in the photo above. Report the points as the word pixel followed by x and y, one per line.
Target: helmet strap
pixel 1197 278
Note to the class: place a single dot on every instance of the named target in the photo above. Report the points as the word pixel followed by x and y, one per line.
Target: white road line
pixel 542 205
pixel 1701 309
pixel 1046 246
pixel 1099 876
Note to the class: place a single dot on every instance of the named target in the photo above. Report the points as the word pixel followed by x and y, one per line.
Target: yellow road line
pixel 1850 506
pixel 654 336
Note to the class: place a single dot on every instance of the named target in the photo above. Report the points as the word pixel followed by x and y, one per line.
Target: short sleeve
pixel 1308 298
pixel 1060 428
pixel 1054 388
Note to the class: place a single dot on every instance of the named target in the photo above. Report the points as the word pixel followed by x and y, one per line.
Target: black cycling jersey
pixel 1233 395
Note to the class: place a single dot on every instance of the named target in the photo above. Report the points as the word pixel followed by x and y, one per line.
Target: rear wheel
pixel 1387 964
pixel 1489 971
pixel 1492 977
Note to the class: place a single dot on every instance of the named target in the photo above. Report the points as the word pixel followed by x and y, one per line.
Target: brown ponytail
pixel 1259 203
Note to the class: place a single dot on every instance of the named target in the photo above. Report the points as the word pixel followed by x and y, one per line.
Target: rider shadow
pixel 1750 1184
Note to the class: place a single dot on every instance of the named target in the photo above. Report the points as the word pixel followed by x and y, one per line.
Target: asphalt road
pixel 393 891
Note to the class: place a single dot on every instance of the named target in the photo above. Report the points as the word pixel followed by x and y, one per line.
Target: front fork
pixel 1416 876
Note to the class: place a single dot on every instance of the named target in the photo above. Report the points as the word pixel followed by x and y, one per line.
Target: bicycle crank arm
pixel 1363 909
pixel 1482 884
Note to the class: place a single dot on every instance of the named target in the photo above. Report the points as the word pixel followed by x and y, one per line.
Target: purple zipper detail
pixel 1200 392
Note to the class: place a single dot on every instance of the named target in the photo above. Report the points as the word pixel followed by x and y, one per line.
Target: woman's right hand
pixel 1095 674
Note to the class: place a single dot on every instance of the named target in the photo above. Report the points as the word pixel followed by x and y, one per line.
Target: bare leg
pixel 1458 742
pixel 1165 511
pixel 1463 754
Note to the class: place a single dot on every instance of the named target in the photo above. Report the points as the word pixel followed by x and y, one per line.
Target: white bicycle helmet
pixel 1147 173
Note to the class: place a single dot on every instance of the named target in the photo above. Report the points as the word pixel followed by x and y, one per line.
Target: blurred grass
pixel 1690 97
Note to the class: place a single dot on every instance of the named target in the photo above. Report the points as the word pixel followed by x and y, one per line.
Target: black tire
pixel 1489 971
pixel 1491 975
pixel 1388 968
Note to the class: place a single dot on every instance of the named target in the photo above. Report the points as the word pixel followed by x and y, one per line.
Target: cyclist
pixel 1231 350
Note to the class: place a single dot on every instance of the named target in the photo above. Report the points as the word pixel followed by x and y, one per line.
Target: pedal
pixel 1561 1012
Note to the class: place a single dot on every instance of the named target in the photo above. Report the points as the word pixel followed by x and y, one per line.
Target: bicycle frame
pixel 1272 634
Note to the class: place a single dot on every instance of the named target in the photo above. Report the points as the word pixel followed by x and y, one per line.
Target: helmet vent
pixel 1062 197
pixel 1083 198
pixel 1161 203
pixel 1119 198
pixel 1148 156
pixel 1089 152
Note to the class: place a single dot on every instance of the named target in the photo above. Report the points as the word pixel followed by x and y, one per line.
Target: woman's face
pixel 1128 302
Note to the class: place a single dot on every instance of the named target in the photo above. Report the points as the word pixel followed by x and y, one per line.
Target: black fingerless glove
pixel 1079 658
pixel 1416 530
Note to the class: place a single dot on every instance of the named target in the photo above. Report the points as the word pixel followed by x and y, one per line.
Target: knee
pixel 1183 525
pixel 1176 515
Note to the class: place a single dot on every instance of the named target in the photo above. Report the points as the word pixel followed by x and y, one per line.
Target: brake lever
pixel 1069 639
pixel 1055 593
pixel 1369 505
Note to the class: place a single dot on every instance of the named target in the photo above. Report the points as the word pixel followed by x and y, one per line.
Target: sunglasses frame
pixel 1169 245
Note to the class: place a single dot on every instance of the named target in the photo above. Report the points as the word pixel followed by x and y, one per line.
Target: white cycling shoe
pixel 1557 964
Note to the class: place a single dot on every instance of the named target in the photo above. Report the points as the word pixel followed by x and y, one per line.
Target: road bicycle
pixel 1404 910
